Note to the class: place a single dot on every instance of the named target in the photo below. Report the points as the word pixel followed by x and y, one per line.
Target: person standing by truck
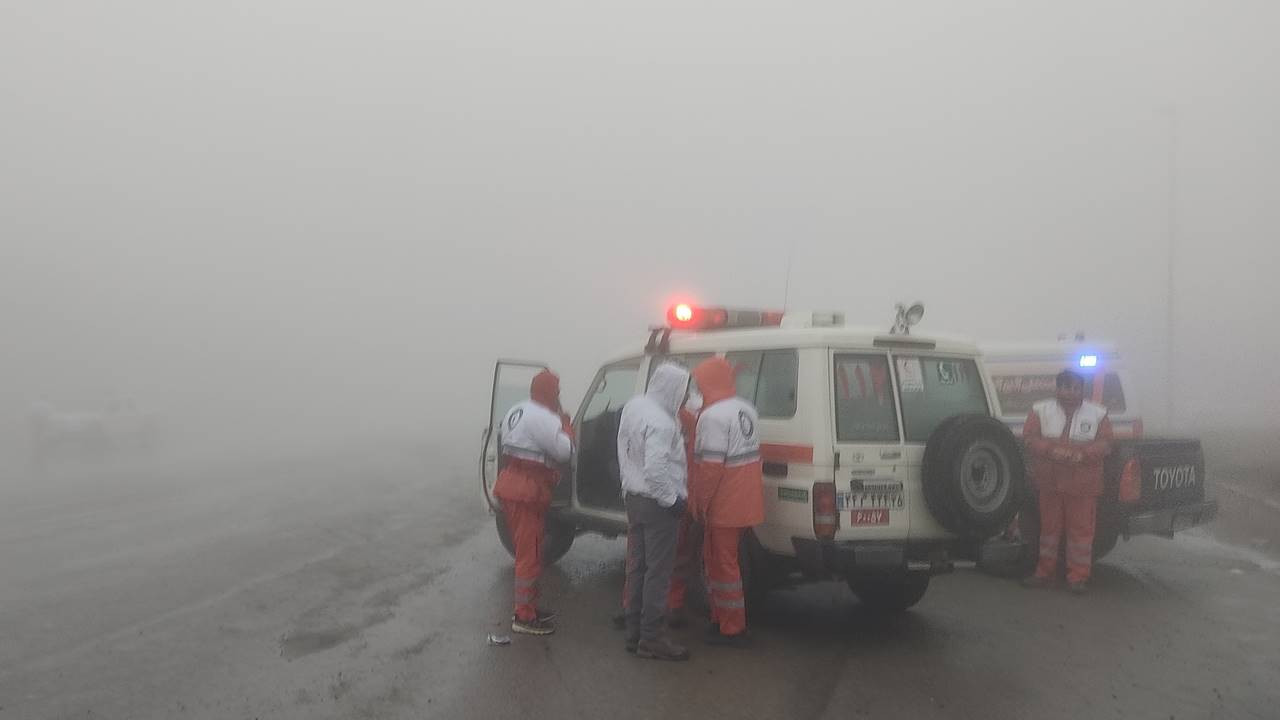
pixel 727 492
pixel 535 438
pixel 655 485
pixel 1067 439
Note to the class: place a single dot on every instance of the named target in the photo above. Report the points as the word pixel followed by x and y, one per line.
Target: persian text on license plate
pixel 869 517
pixel 870 501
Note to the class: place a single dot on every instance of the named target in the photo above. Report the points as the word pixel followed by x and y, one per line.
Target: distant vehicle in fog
pixel 118 430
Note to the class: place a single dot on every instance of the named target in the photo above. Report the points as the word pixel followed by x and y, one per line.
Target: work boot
pixel 1078 588
pixel 741 640
pixel 619 621
pixel 677 618
pixel 1035 582
pixel 532 627
pixel 661 649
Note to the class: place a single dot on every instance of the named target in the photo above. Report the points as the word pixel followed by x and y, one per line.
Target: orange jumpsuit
pixel 726 488
pixel 1069 477
pixel 524 487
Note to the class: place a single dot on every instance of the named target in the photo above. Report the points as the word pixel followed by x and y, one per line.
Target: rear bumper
pixel 823 559
pixel 1166 521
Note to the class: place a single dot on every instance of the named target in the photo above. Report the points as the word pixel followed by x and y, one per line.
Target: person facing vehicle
pixel 726 493
pixel 651 458
pixel 535 438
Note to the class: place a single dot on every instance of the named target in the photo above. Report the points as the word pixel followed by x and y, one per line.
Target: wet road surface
pixel 362 585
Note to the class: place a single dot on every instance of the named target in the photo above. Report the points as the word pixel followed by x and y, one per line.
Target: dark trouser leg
pixel 633 587
pixel 660 530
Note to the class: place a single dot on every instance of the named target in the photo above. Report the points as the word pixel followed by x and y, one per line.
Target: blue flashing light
pixel 1088 361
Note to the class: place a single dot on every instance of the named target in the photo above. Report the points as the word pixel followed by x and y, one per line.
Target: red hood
pixel 545 390
pixel 715 380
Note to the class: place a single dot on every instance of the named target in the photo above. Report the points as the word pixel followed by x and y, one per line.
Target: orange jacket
pixel 726 488
pixel 1060 465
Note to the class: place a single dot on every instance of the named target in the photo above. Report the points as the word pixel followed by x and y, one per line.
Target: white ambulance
pixel 883 457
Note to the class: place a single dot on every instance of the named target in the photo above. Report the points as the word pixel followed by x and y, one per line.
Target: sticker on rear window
pixel 910 375
pixel 950 373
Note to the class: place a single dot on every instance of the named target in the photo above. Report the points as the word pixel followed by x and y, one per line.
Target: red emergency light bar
pixel 691 317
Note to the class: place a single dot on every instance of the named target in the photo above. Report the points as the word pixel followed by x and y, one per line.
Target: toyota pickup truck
pixel 1152 486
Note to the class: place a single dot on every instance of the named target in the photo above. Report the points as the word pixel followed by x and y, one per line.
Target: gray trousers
pixel 651 555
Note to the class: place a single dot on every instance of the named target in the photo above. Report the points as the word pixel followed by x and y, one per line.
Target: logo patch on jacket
pixel 744 422
pixel 515 418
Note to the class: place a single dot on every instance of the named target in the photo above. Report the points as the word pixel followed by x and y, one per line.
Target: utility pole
pixel 1171 231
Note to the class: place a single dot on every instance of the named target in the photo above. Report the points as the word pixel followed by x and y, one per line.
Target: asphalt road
pixel 362 584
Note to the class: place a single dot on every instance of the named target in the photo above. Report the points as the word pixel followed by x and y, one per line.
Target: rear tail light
pixel 1131 481
pixel 1137 428
pixel 826 519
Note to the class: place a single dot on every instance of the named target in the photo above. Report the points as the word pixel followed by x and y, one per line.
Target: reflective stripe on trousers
pixel 724 579
pixel 1077 516
pixel 525 524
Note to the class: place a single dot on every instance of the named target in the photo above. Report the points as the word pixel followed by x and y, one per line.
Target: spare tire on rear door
pixel 974 475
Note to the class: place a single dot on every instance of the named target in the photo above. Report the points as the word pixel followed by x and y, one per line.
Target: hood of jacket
pixel 667 387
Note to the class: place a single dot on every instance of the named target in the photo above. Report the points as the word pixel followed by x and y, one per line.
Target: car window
pixel 778 384
pixel 614 386
pixel 746 372
pixel 934 389
pixel 1018 393
pixel 767 379
pixel 865 410
pixel 1112 393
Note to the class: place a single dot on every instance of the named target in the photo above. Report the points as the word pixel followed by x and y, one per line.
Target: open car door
pixel 511 381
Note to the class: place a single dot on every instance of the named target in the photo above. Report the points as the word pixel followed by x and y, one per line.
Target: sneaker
pixel 1035 582
pixel 1078 588
pixel 742 640
pixel 619 621
pixel 661 649
pixel 544 615
pixel 677 618
pixel 532 627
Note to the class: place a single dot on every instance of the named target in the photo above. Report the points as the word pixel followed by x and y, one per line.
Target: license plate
pixel 876 500
pixel 1182 521
pixel 869 517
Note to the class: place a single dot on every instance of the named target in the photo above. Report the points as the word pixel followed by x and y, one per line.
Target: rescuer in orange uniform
pixel 1067 439
pixel 726 493
pixel 535 438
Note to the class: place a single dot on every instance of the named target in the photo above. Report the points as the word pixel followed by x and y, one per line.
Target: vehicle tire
pixel 890 593
pixel 1104 541
pixel 974 475
pixel 557 538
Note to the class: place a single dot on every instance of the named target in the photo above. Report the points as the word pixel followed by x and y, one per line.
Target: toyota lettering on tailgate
pixel 1181 476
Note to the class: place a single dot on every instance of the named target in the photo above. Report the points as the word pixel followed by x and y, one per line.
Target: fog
pixel 280 221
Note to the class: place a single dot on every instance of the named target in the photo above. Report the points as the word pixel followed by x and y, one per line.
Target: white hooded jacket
pixel 650 449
